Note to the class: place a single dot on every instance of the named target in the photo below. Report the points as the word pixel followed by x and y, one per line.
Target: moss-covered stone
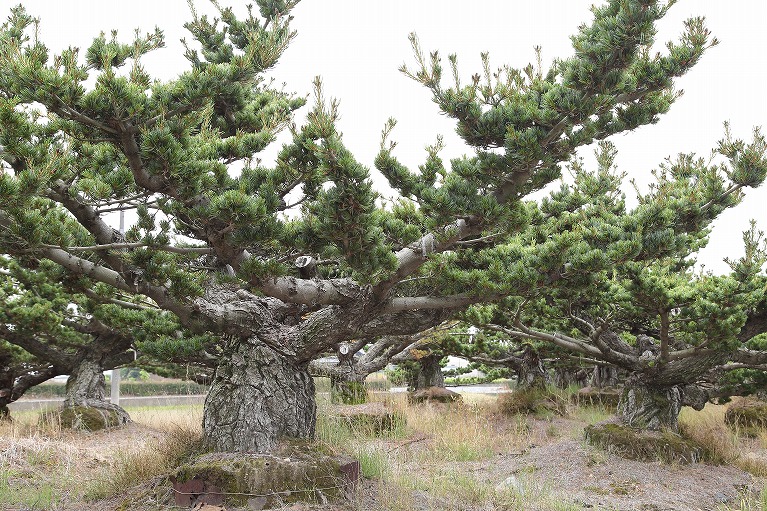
pixel 370 418
pixel 434 394
pixel 294 473
pixel 748 416
pixel 84 418
pixel 532 401
pixel 645 445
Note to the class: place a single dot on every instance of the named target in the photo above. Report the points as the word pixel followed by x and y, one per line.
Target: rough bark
pixel 565 376
pixel 604 376
pixel 258 396
pixel 429 373
pixel 530 371
pixel 86 387
pixel 6 384
pixel 644 406
pixel 350 390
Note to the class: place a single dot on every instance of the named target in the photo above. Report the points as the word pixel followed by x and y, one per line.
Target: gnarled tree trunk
pixel 649 407
pixel 604 376
pixel 530 371
pixel 565 376
pixel 429 373
pixel 347 383
pixel 6 385
pixel 258 396
pixel 86 389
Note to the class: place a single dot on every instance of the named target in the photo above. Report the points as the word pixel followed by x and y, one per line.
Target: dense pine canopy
pixel 278 262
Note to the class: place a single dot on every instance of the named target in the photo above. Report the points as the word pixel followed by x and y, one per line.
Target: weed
pixel 712 436
pixel 541 402
pixel 374 463
pixel 591 414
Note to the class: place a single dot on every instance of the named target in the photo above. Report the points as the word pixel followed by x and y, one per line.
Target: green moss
pixel 294 474
pixel 645 445
pixel 83 418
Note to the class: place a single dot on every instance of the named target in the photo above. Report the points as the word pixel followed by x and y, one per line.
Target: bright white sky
pixel 356 47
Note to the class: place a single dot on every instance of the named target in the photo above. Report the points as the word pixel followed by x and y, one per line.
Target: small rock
pixel 721 498
pixel 511 482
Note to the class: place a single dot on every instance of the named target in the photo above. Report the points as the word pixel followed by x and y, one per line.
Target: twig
pixel 413 441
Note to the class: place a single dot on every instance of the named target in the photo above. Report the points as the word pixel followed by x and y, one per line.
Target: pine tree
pixel 628 293
pixel 85 133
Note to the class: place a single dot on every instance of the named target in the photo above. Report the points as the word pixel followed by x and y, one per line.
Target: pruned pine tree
pixel 488 350
pixel 84 133
pixel 357 360
pixel 628 294
pixel 46 332
pixel 56 323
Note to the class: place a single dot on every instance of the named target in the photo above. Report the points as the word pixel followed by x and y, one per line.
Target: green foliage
pixel 217 230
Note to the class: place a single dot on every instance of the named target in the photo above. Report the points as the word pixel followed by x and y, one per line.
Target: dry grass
pixel 131 468
pixel 437 461
pixel 726 445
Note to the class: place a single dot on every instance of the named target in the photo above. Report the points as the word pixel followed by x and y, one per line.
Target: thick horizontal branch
pixel 559 339
pixel 124 246
pixel 431 302
pixel 311 291
pixel 412 257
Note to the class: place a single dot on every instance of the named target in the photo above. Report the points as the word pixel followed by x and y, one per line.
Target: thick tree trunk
pixel 86 387
pixel 5 412
pixel 347 382
pixel 429 373
pixel 604 376
pixel 530 372
pixel 645 406
pixel 567 376
pixel 7 378
pixel 348 388
pixel 258 396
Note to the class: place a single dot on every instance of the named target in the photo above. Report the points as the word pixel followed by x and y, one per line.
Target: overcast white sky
pixel 356 46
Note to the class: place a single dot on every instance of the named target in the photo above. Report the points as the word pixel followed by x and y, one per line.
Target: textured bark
pixel 86 387
pixel 644 406
pixel 258 396
pixel 6 384
pixel 347 384
pixel 429 373
pixel 348 388
pixel 604 376
pixel 530 371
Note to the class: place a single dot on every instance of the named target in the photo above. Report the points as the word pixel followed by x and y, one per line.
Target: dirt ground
pixel 551 469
